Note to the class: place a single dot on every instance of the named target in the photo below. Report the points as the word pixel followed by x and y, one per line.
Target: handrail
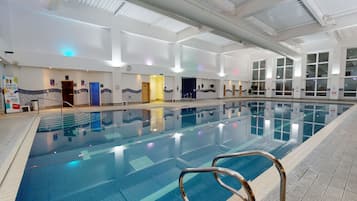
pixel 216 170
pixel 54 100
pixel 276 162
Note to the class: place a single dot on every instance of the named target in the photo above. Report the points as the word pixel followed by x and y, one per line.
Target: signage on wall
pixel 11 94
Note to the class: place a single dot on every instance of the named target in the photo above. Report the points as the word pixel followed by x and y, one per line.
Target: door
pixel 67 92
pixel 94 93
pixel 188 88
pixel 224 90
pixel 240 90
pixel 234 90
pixel 145 92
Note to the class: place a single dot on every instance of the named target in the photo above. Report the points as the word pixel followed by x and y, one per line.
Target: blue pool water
pixel 131 155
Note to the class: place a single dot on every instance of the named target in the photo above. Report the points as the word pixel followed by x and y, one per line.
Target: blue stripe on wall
pixel 106 90
pixel 38 92
pixel 131 90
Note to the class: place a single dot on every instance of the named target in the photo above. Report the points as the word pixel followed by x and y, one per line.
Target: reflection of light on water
pixel 220 125
pixel 199 133
pixel 235 125
pixel 177 135
pixel 150 145
pixel 73 164
pixel 119 148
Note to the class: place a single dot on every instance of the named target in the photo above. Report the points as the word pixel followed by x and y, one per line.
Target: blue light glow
pixel 73 164
pixel 68 52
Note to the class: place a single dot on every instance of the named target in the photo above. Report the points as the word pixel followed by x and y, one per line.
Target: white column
pixel 221 74
pixel 116 77
pixel 298 77
pixel 177 88
pixel 335 70
pixel 270 64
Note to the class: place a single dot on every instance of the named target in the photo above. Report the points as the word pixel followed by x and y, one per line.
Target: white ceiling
pixel 133 11
pixel 107 5
pixel 285 15
pixel 337 7
pixel 214 39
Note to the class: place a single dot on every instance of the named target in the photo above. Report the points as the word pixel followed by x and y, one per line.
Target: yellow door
pixel 224 90
pixel 145 92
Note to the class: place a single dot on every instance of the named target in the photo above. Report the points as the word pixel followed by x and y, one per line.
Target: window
pixel 257 118
pixel 282 121
pixel 258 78
pixel 316 74
pixel 284 77
pixel 314 119
pixel 350 85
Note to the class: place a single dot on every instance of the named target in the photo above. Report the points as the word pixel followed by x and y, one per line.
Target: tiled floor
pixel 329 173
pixel 13 130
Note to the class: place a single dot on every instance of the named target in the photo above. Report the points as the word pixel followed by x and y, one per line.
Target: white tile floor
pixel 329 173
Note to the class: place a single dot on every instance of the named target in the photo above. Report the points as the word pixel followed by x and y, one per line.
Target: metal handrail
pixel 54 100
pixel 216 170
pixel 267 155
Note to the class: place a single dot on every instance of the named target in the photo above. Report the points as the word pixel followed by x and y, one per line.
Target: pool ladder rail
pixel 220 170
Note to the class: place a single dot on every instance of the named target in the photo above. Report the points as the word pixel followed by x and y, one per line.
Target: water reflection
pixel 115 156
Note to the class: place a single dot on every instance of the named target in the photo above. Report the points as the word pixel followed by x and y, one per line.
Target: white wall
pixel 43 33
pixel 142 50
pixel 197 62
pixel 237 67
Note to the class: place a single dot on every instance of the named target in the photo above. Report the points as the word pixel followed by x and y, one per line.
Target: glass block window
pixel 316 74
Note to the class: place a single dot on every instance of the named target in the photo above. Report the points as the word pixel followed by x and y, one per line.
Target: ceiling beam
pixel 339 23
pixel 190 32
pixel 232 48
pixel 315 11
pixel 202 45
pixel 262 26
pixel 194 11
pixel 252 7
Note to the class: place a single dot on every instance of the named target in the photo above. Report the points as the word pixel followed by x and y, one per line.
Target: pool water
pixel 130 155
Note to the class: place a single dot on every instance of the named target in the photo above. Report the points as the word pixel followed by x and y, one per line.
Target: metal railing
pixel 54 100
pixel 267 155
pixel 216 170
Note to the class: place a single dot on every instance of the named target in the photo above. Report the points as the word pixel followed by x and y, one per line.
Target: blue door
pixel 94 93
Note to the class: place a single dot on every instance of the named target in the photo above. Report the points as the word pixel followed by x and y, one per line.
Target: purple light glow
pixel 150 145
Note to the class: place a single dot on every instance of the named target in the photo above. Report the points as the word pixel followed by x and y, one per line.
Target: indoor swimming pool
pixel 131 155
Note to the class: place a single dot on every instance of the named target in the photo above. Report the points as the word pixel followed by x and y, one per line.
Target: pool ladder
pixel 248 190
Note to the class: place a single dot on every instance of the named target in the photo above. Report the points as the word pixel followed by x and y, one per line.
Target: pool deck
pixel 323 168
pixel 329 172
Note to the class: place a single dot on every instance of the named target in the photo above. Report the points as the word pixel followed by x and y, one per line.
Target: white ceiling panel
pixel 151 17
pixel 348 33
pixel 139 13
pixel 285 15
pixel 108 5
pixel 312 38
pixel 214 39
pixel 171 24
pixel 337 7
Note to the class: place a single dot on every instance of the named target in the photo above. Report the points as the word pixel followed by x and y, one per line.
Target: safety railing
pixel 216 170
pixel 267 155
pixel 54 100
pixel 220 170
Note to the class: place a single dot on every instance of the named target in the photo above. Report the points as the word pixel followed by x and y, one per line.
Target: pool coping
pixel 12 180
pixel 270 179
